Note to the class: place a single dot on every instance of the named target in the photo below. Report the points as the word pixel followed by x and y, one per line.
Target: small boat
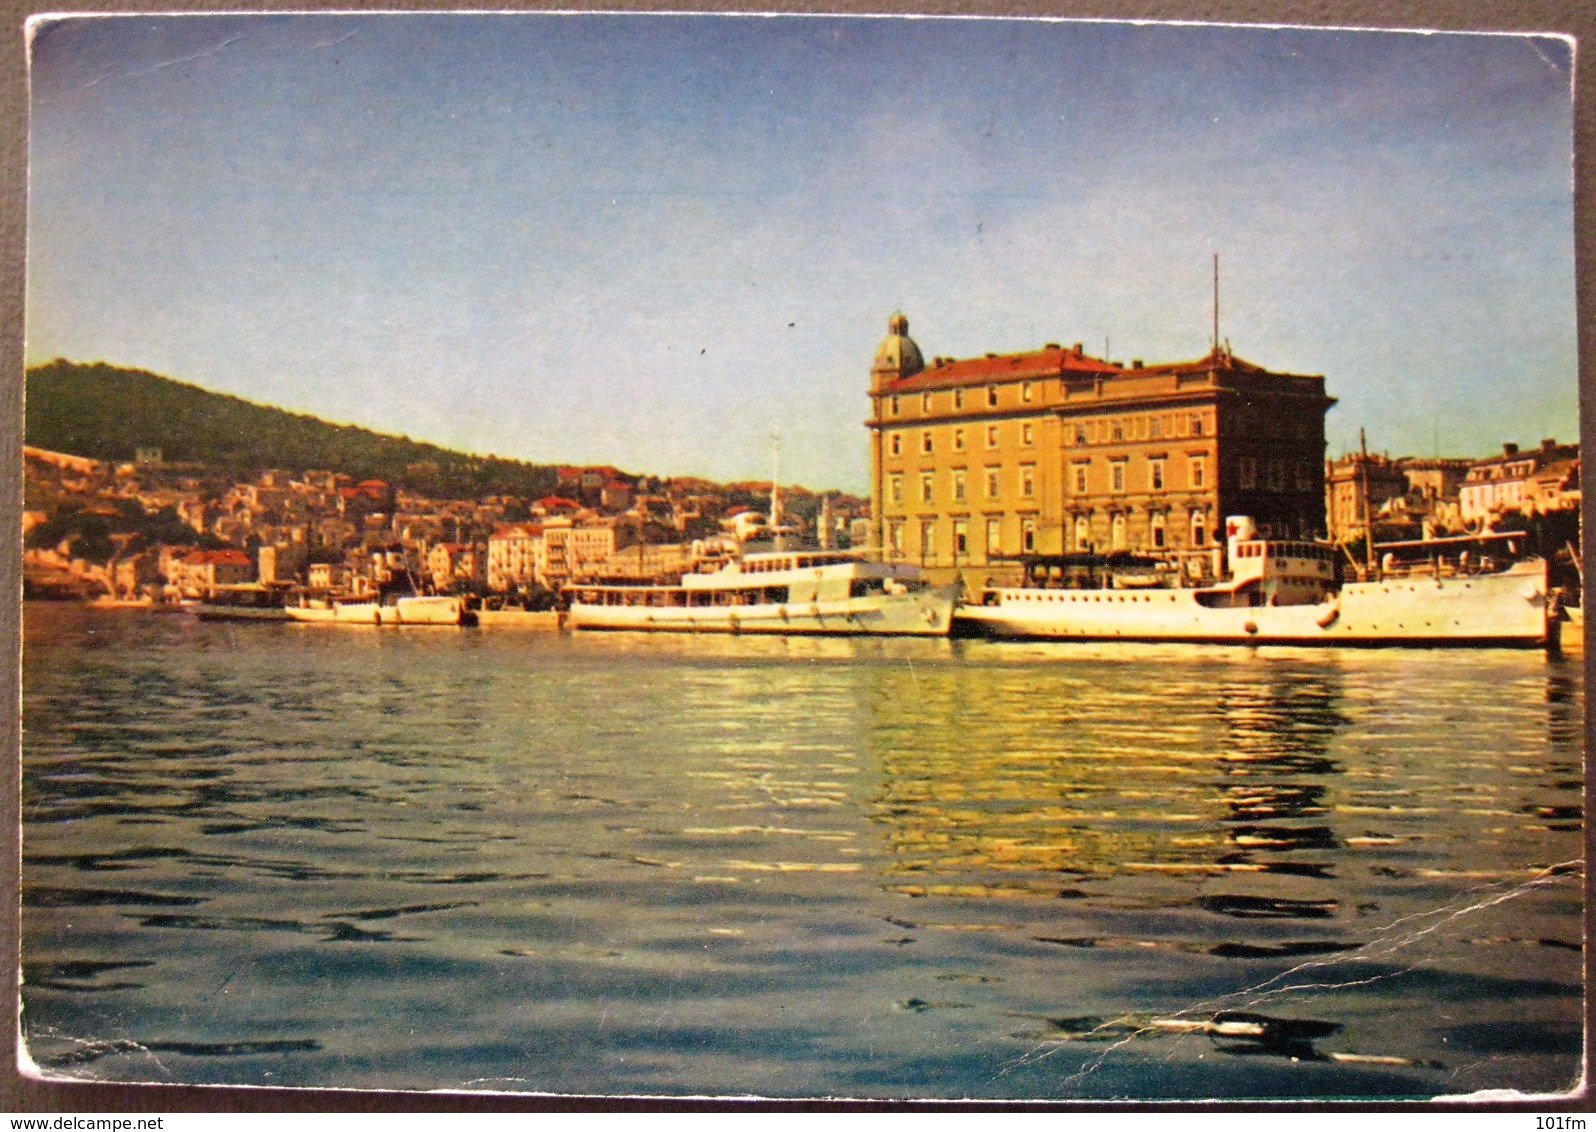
pixel 1285 592
pixel 246 601
pixel 779 591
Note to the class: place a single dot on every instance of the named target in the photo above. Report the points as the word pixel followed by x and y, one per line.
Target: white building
pixel 1505 484
pixel 515 556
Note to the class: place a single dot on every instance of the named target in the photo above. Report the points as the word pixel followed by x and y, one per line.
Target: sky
pixel 658 241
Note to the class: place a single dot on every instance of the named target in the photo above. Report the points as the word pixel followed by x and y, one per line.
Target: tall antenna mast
pixel 775 476
pixel 1368 505
pixel 1216 304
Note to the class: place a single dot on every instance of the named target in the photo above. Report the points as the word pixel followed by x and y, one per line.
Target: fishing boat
pixel 777 591
pixel 1472 591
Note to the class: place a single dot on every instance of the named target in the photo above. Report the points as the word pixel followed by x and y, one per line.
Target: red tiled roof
pixel 216 558
pixel 1050 361
pixel 557 501
pixel 1226 363
pixel 516 530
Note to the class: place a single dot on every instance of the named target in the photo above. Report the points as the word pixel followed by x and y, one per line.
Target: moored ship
pixel 408 610
pixel 246 601
pixel 781 591
pixel 1281 592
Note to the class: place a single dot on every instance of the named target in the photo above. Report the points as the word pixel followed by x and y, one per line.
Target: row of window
pixel 1158 533
pixel 1156 479
pixel 926 548
pixel 932 401
pixel 957 437
pixel 1271 475
pixel 926 543
pixel 1083 433
pixel 1277 475
pixel 1145 426
pixel 959 484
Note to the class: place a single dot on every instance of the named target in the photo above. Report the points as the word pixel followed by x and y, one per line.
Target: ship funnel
pixel 1238 528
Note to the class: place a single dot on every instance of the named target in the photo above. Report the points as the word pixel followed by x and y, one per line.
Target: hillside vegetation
pixel 106 412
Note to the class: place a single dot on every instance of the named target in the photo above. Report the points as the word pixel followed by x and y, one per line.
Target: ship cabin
pixel 766 578
pixel 247 595
pixel 774 562
pixel 1275 572
pixel 1117 570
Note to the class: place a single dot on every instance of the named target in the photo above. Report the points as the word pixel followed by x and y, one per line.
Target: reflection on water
pixel 284 854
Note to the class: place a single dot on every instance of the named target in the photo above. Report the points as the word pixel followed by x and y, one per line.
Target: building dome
pixel 898 356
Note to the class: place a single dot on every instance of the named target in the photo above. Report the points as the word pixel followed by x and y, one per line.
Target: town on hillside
pixel 978 465
pixel 150 530
pixel 146 529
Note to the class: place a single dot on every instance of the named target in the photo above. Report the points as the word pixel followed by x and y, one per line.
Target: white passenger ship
pixel 1281 592
pixel 780 591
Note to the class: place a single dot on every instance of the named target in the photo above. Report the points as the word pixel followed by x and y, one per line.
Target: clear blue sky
pixel 652 240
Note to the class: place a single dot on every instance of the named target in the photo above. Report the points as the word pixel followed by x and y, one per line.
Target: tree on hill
pixel 106 412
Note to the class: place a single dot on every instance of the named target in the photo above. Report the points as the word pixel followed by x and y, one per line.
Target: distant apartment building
pixel 280 562
pixel 1506 484
pixel 555 505
pixel 326 576
pixel 200 570
pixel 981 460
pixel 365 498
pixel 1404 492
pixel 573 551
pixel 1556 487
pixel 452 566
pixel 646 562
pixel 1354 483
pixel 514 554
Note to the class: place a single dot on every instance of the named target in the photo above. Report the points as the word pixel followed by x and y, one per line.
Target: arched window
pixel 1083 533
pixel 1118 528
pixel 1157 525
pixel 1199 527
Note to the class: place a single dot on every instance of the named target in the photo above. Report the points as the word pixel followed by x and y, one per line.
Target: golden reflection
pixel 1030 783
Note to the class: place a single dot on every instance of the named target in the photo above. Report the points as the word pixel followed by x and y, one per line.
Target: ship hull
pixel 1506 610
pixel 406 611
pixel 206 612
pixel 921 614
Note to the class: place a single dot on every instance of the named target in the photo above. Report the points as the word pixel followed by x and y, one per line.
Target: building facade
pixel 1505 484
pixel 515 556
pixel 1411 497
pixel 977 462
pixel 575 551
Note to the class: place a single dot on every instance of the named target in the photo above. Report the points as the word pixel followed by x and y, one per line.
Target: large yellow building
pixel 979 461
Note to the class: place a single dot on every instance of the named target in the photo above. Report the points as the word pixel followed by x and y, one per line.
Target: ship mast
pixel 1368 510
pixel 775 490
pixel 1216 306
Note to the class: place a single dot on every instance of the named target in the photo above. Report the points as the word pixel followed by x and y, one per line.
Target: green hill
pixel 106 412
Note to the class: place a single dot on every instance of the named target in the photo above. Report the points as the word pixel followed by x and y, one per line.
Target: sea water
pixel 672 865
